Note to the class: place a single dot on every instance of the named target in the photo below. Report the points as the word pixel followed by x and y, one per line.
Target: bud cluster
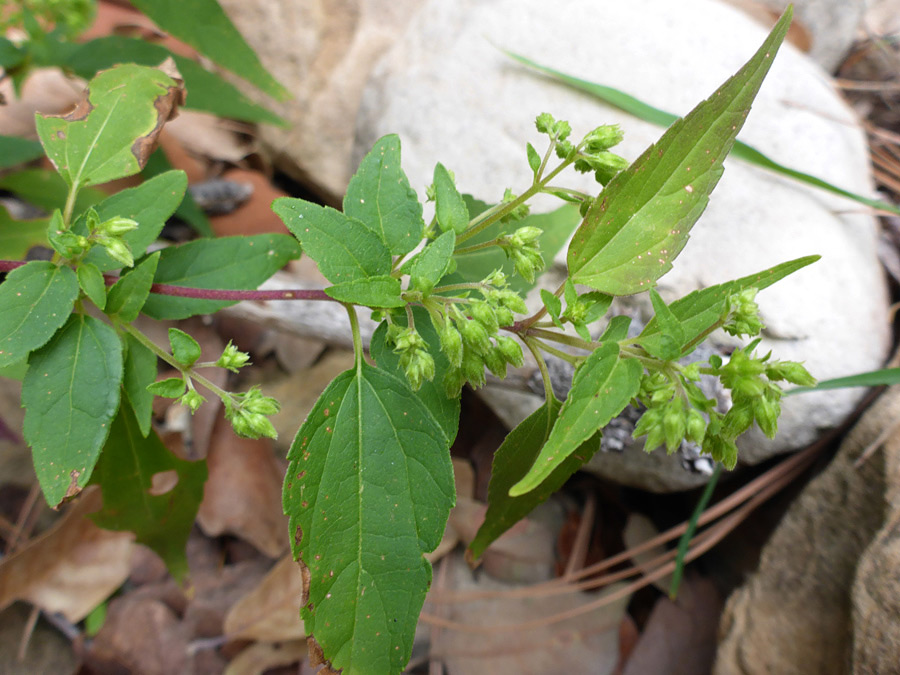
pixel 524 249
pixel 742 314
pixel 248 414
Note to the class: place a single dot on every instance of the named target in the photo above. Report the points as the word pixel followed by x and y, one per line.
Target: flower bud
pixel 674 424
pixel 511 350
pixel 791 371
pixel 527 234
pixel 766 413
pixel 483 314
pixel 451 344
pixel 695 429
pixel 454 380
pixel 192 400
pixel 232 359
pixel 737 420
pixel 603 138
pixel 495 362
pixel 473 367
pixel 118 250
pixel 117 226
pixel 255 402
pixel 475 336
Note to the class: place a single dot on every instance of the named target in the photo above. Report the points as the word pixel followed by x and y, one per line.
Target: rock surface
pixel 454 97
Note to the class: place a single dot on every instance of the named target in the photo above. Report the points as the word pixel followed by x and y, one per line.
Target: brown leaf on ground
pixel 45 90
pixel 242 495
pixel 680 636
pixel 271 611
pixel 72 567
pixel 47 651
pixel 208 136
pixel 259 658
pixel 214 592
pixel 587 643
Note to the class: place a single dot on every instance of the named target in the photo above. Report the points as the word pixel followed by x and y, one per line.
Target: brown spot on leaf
pixel 73 488
pixel 317 658
pixel 166 109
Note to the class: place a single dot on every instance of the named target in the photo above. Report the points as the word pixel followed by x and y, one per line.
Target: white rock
pixel 454 97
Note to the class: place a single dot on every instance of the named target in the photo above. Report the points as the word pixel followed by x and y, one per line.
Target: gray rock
pixel 454 97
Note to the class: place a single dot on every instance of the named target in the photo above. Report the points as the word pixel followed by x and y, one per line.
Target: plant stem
pixel 562 338
pixel 168 358
pixel 565 356
pixel 70 205
pixel 357 337
pixel 537 316
pixel 685 541
pixel 475 247
pixel 451 288
pixel 545 376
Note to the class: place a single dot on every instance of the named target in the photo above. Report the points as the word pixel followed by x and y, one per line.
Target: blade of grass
pixel 648 113
pixel 685 542
pixel 873 378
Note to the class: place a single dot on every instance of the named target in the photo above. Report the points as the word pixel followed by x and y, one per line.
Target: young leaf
pixel 130 292
pixel 699 310
pixel 228 262
pixel 185 349
pixel 380 291
pixel 205 26
pixel 621 249
pixel 18 236
pixel 511 461
pixel 126 472
pixel 380 197
pixel 431 264
pixel 603 385
pixel 15 150
pixel 343 247
pixel 97 142
pixel 534 159
pixel 444 409
pixel 668 342
pixel 35 300
pixel 368 492
pixel 150 204
pixel 70 395
pixel 171 387
pixel 553 305
pixel 449 206
pixel 139 373
pixel 91 281
pixel 209 92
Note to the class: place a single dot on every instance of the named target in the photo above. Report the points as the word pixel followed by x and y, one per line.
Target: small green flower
pixel 192 400
pixel 232 359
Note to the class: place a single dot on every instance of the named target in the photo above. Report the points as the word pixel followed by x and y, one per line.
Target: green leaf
pixel 129 294
pixel 432 262
pixel 91 281
pixel 557 227
pixel 203 25
pixel 185 349
pixel 666 344
pixel 126 472
pixel 511 461
pixel 171 387
pixel 603 385
pixel 699 310
pixel 534 159
pixel 18 236
pixel 140 372
pixel 449 206
pixel 100 141
pixel 873 378
pixel 35 300
pixel 380 197
pixel 380 291
pixel 151 204
pixel 444 409
pixel 642 219
pixel 343 247
pixel 70 395
pixel 208 91
pixel 616 330
pixel 11 55
pixel 15 150
pixel 368 492
pixel 228 262
pixel 187 210
pixel 47 190
pixel 553 305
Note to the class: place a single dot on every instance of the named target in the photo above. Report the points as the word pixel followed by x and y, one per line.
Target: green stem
pixel 168 358
pixel 562 338
pixel 70 205
pixel 452 288
pixel 565 356
pixel 545 376
pixel 357 337
pixel 476 247
pixel 685 541
pixel 542 312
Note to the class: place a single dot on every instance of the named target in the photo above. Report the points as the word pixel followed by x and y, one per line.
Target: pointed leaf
pixel 511 462
pixel 35 300
pixel 185 349
pixel 129 294
pixel 343 247
pixel 642 219
pixel 449 205
pixel 228 262
pixel 380 291
pixel 445 409
pixel 91 281
pixel 110 134
pixel 699 310
pixel 668 343
pixel 431 264
pixel 150 204
pixel 140 372
pixel 131 501
pixel 368 491
pixel 380 197
pixel 205 26
pixel 70 395
pixel 603 385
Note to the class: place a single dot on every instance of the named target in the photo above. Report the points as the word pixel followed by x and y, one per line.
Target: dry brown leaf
pixel 208 136
pixel 271 611
pixel 258 658
pixel 72 567
pixel 242 495
pixel 45 90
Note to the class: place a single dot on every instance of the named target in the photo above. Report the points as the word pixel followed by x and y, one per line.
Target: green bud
pixel 473 367
pixel 695 429
pixel 451 344
pixel 68 244
pixel 483 314
pixel 92 219
pixel 518 212
pixel 419 368
pixel 651 418
pixel 496 362
pixel 117 226
pixel 232 359
pixel 512 301
pixel 674 424
pixel 766 413
pixel 504 316
pixel 192 400
pixel 475 336
pixel 255 402
pixel 791 371
pixel 544 123
pixel 118 250
pixel 603 138
pixel 454 380
pixel 565 149
pixel 527 234
pixel 737 420
pixel 721 449
pixel 511 351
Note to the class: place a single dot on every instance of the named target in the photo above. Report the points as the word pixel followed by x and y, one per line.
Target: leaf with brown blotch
pixel 72 567
pixel 112 131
